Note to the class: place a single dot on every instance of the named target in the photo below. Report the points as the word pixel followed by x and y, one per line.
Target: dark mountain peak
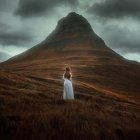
pixel 73 25
pixel 73 17
pixel 73 14
pixel 74 20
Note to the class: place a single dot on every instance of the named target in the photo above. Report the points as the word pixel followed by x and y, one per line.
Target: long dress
pixel 68 89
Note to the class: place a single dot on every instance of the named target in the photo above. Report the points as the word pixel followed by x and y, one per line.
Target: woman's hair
pixel 67 73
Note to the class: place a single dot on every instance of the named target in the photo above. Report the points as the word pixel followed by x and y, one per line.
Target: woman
pixel 68 88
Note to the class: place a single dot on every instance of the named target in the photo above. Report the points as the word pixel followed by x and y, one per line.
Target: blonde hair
pixel 67 73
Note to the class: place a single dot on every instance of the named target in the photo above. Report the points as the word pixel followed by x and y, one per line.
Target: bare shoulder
pixel 71 75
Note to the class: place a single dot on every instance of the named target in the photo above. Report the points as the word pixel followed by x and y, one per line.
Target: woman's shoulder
pixel 70 74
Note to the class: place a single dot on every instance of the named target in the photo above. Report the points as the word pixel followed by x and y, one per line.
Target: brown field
pixel 106 106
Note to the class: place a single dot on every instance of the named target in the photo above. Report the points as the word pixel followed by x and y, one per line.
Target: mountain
pixel 106 88
pixel 72 35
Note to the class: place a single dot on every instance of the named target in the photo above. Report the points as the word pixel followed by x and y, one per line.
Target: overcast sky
pixel 24 23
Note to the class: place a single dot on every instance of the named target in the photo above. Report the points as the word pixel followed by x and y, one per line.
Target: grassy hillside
pixel 31 107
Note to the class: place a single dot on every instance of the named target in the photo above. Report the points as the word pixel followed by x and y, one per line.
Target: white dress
pixel 68 89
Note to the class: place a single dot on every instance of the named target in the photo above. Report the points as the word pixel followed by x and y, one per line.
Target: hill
pixel 106 88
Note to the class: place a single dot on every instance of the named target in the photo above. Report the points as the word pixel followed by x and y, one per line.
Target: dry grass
pixel 36 111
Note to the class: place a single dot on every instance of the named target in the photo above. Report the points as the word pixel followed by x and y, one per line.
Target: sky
pixel 25 23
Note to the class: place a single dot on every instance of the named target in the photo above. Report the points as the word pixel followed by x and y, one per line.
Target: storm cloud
pixel 4 56
pixel 111 9
pixel 122 38
pixel 14 33
pixel 3 4
pixel 28 8
pixel 14 38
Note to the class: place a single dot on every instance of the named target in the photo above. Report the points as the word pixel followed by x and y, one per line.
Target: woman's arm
pixel 70 76
pixel 63 77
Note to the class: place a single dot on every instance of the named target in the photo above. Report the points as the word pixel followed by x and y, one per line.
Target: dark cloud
pixel 15 38
pixel 3 3
pixel 4 56
pixel 7 5
pixel 122 38
pixel 29 8
pixel 116 9
pixel 3 27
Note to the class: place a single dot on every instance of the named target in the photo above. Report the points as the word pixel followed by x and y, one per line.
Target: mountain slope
pixel 72 36
pixel 106 88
